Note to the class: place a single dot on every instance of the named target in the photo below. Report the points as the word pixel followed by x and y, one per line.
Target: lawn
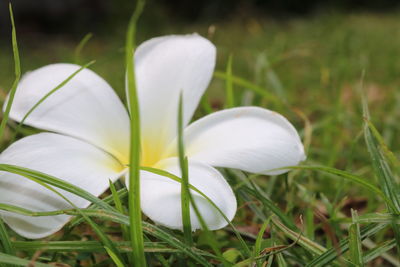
pixel 314 70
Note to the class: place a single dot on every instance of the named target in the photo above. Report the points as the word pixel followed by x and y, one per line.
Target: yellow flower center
pixel 151 153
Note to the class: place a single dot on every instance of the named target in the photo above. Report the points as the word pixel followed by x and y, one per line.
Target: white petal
pixel 86 107
pixel 247 138
pixel 72 160
pixel 165 67
pixel 161 196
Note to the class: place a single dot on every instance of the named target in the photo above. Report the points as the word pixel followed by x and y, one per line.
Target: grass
pixel 309 69
pixel 135 215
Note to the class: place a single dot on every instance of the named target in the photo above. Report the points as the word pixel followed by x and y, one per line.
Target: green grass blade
pixel 212 241
pixel 177 179
pixel 9 259
pixel 17 64
pixel 301 240
pixel 356 255
pixel 122 194
pixel 389 154
pixel 257 245
pixel 117 217
pixel 272 206
pixel 350 177
pixel 274 251
pixel 114 257
pixel 119 207
pixel 230 97
pixel 246 197
pixel 373 218
pixel 51 180
pixel 379 163
pixel 88 246
pixel 379 250
pixel 108 244
pixel 116 197
pixel 248 85
pixel 281 260
pixel 48 95
pixel 273 79
pixel 382 170
pixel 331 254
pixel 80 46
pixel 103 214
pixel 44 180
pixel 5 239
pixel 254 190
pixel 386 179
pixel 105 240
pixel 135 214
pixel 309 222
pixel 185 193
pixel 205 104
pixel 174 242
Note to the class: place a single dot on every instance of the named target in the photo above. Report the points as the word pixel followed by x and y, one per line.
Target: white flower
pixel 88 139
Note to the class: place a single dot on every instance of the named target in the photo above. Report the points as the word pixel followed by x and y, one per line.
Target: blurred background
pixel 308 54
pixel 352 33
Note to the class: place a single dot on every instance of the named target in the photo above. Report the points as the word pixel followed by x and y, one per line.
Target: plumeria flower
pixel 87 143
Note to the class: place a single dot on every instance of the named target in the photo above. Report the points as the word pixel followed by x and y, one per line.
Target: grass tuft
pixel 17 70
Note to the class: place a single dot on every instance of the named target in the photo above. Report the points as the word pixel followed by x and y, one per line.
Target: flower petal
pixel 248 138
pixel 161 196
pixel 64 157
pixel 165 67
pixel 86 107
